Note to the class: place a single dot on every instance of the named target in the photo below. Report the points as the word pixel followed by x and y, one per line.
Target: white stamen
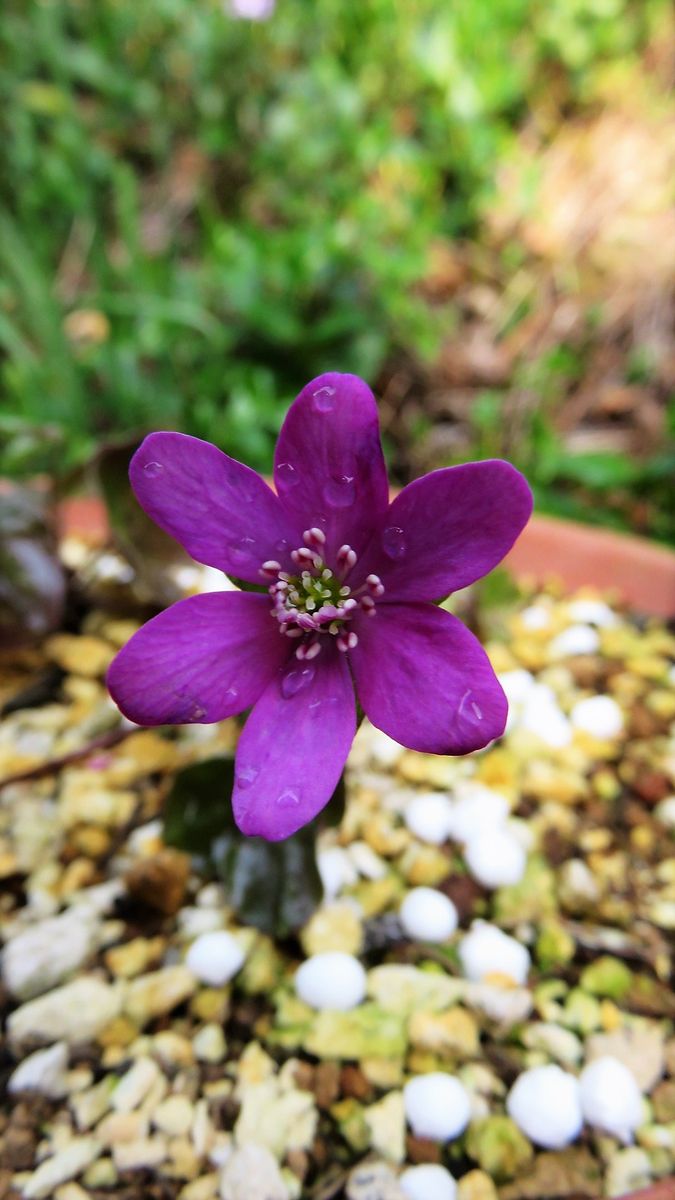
pixel 347 641
pixel 305 652
pixel 314 537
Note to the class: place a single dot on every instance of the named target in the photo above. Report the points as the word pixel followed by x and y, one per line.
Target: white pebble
pixel 600 716
pixel 384 750
pixel 428 915
pixel 437 1106
pixel 486 951
pixel 610 1098
pixel 592 612
pixel 331 980
pixel 43 1072
pixel 429 817
pixel 577 639
pixel 336 869
pixel 544 1103
pixel 496 858
pixel 665 812
pixel 517 684
pixel 367 862
pixel 215 957
pixel 542 715
pixel 536 616
pixel 428 1182
pixel 476 809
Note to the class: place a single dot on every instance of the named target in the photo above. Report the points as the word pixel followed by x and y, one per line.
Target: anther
pixel 314 537
pixel 271 567
pixel 368 606
pixel 346 557
pixel 347 641
pixel 307 651
pixel 375 585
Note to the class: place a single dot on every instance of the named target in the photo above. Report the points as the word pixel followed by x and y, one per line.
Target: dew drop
pixel 393 542
pixel 287 475
pixel 288 799
pixel 294 681
pixel 153 469
pixel 340 491
pixel 281 546
pixel 197 713
pixel 246 776
pixel 323 399
pixel 469 710
pixel 232 694
pixel 241 549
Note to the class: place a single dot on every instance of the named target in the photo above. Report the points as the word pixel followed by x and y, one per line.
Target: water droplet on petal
pixel 153 469
pixel 469 709
pixel 241 549
pixel 393 542
pixel 197 713
pixel 245 776
pixel 340 491
pixel 281 546
pixel 323 399
pixel 288 799
pixel 287 475
pixel 294 681
pixel 232 694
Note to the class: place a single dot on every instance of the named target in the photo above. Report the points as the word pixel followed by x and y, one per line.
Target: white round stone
pixel 428 1182
pixel 429 817
pixel 535 616
pixel 496 858
pixel 426 914
pixel 331 980
pixel 516 684
pixel 437 1106
pixel 476 809
pixel 610 1098
pixel 576 639
pixel 665 812
pixel 336 869
pixel 485 951
pixel 592 612
pixel 215 957
pixel 544 1103
pixel 600 716
pixel 542 715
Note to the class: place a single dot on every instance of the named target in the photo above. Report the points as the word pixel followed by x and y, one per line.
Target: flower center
pixel 317 601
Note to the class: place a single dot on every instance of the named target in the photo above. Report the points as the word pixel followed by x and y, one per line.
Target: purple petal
pixel 447 529
pixel 222 512
pixel 328 466
pixel 294 746
pixel 426 681
pixel 201 660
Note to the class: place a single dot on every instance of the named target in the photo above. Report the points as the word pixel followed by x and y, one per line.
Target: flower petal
pixel 202 659
pixel 294 746
pixel 426 681
pixel 222 512
pixel 328 466
pixel 447 529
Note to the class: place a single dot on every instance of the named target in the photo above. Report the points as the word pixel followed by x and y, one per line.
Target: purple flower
pixel 351 584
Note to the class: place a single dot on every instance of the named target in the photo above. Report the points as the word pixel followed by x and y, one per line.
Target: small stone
pixel 158 993
pixel 131 958
pixel 544 1103
pixel 43 1072
pixel 331 981
pixel 610 1098
pixel 628 1171
pixel 592 612
pixel 215 958
pixel 119 1127
pixel 476 1185
pixel 606 976
pixel 76 1012
pixel 71 1191
pixel 576 639
pixel 428 1181
pixel 209 1044
pixel 542 716
pixel 373 1181
pixel 476 809
pixel 498 1146
pixel 437 1106
pixel 485 952
pixel 429 817
pixel 141 1155
pixel 174 1116
pixel 89 1106
pixel 251 1170
pixel 600 716
pixel 639 1047
pixel 333 927
pixel 60 1167
pixel 663 1101
pixel 135 1085
pixel 43 955
pixel 428 915
pixel 204 1188
pixel 555 947
pixel 160 882
pixel 386 1122
pixel 336 869
pixel 79 654
pixel 454 1033
pixel 496 858
pixel 558 1043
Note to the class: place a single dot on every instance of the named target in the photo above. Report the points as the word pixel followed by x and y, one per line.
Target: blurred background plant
pixel 469 205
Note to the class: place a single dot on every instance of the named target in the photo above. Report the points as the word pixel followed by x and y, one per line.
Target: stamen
pixel 347 641
pixel 375 585
pixel 315 538
pixel 308 650
pixel 368 605
pixel 346 558
pixel 271 567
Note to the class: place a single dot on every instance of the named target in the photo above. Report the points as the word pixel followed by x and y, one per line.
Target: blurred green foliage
pixel 200 213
